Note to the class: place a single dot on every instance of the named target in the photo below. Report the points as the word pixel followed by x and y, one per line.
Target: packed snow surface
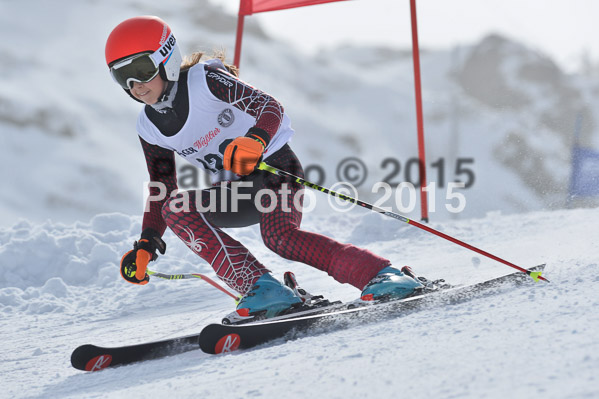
pixel 60 288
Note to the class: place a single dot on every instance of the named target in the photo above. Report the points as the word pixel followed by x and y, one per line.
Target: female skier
pixel 205 114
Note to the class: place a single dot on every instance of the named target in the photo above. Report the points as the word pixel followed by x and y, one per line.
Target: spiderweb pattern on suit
pixel 266 109
pixel 231 261
pixel 234 263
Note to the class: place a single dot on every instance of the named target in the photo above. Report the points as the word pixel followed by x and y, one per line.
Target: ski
pixel 94 358
pixel 220 338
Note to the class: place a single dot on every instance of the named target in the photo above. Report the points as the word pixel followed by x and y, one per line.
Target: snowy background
pixel 73 174
pixel 69 148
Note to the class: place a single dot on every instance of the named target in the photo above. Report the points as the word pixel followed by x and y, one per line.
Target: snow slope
pixel 59 288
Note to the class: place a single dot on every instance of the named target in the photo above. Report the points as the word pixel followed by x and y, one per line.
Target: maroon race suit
pixel 201 229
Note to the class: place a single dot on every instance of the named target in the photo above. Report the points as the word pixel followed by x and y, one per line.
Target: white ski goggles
pixel 142 67
pixel 139 68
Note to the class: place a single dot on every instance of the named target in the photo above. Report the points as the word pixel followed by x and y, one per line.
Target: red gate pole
pixel 419 118
pixel 237 58
pixel 245 8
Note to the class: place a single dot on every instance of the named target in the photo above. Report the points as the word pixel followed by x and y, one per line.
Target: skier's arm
pixel 162 170
pixel 161 166
pixel 265 108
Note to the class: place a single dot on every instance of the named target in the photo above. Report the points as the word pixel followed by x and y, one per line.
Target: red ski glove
pixel 135 262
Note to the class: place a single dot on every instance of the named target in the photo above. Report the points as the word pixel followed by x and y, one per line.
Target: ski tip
pixel 90 358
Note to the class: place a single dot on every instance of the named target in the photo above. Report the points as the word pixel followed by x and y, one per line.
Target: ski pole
pixel 536 276
pixel 190 276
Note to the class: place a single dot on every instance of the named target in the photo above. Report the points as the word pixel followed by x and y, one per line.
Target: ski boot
pixel 391 284
pixel 267 298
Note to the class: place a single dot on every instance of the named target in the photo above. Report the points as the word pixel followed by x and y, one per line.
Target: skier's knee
pixel 275 242
pixel 270 241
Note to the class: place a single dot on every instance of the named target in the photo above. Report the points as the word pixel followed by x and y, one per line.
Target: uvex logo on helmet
pixel 166 49
pixel 168 46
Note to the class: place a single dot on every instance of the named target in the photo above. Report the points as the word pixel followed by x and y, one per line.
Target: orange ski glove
pixel 244 153
pixel 135 262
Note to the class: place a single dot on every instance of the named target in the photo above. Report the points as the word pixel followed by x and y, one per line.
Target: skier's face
pixel 149 92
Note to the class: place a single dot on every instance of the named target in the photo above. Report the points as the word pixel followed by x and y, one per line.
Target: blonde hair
pixel 194 58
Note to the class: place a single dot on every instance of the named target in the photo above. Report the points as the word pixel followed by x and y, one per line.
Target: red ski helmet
pixel 146 36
